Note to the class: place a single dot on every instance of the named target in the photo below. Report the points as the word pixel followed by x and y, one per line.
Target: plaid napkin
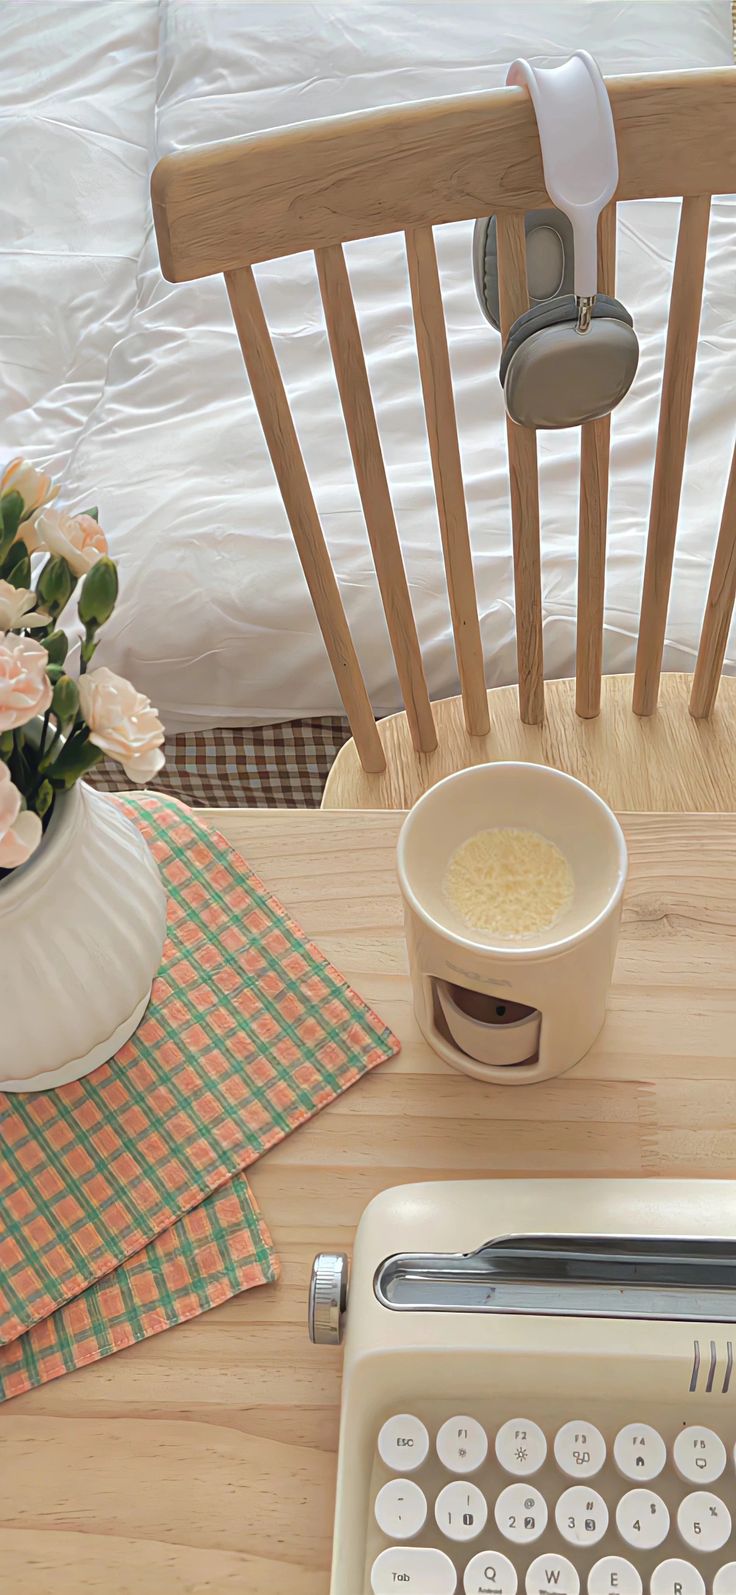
pixel 249 1032
pixel 220 1248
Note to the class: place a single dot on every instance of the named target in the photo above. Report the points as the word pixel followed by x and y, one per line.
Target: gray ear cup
pixel 552 313
pixel 552 375
pixel 550 260
pixel 555 376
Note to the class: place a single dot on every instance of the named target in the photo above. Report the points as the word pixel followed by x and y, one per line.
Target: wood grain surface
pixel 272 405
pixel 203 1461
pixel 381 171
pixel 595 454
pixel 667 760
pixel 439 408
pixel 365 446
pixel 674 417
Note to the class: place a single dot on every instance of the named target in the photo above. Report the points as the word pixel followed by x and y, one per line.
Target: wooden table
pixel 204 1459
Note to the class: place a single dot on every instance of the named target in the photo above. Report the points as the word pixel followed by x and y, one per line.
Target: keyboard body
pixel 534 1429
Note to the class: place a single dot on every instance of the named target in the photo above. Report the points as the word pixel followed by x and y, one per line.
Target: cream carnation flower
pixel 35 487
pixel 20 830
pixel 17 608
pixel 122 723
pixel 76 538
pixel 25 689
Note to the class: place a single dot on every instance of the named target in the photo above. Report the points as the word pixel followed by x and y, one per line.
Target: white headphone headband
pixel 579 153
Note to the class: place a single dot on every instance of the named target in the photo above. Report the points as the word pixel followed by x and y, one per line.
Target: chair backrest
pixel 408 169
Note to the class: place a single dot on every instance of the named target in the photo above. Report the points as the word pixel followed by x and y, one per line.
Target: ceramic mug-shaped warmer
pixel 551 985
pixel 82 928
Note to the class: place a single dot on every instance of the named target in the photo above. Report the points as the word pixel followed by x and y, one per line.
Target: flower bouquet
pixel 82 925
pixel 53 727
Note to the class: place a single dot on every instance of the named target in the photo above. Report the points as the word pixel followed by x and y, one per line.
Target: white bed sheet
pixel 77 103
pixel 149 412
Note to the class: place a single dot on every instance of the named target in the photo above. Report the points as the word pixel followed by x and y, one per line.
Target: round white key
pixel 642 1519
pixel 461 1511
pixel 415 1569
pixel 703 1521
pixel 613 1575
pixel 490 1573
pixel 676 1577
pixel 521 1513
pixel 581 1515
pixel 462 1445
pixel 580 1449
pixel 639 1452
pixel 401 1509
pixel 552 1572
pixel 521 1447
pixel 699 1455
pixel 724 1582
pixel 403 1443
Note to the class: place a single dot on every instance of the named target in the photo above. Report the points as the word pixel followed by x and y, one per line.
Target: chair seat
pixel 666 762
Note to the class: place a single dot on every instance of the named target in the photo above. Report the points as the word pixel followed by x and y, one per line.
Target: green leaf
pixel 57 647
pixel 44 798
pixel 12 509
pixel 17 567
pixel 94 512
pixel 75 759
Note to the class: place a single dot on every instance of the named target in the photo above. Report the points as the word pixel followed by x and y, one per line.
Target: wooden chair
pixel 661 743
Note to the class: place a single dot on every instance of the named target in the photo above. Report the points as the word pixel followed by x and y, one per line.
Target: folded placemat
pixel 217 1250
pixel 250 1031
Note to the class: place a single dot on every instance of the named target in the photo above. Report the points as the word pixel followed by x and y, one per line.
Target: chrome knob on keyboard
pixel 328 1298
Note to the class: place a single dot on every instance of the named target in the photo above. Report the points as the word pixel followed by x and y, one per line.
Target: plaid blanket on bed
pixel 247 767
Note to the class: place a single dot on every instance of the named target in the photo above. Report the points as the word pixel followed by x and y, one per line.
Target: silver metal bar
pixel 616 1276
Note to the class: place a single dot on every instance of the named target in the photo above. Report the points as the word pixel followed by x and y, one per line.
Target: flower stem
pixel 47 760
pixel 44 734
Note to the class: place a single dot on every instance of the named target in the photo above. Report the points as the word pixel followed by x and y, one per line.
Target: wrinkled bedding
pixel 134 389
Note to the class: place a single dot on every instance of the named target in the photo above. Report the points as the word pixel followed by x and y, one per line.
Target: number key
pixel 521 1513
pixel 703 1521
pixel 642 1519
pixel 460 1510
pixel 581 1515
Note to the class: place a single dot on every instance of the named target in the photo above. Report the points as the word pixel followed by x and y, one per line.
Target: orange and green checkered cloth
pixel 123 1208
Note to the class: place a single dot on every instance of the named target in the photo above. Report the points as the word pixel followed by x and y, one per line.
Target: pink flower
pixel 25 689
pixel 122 723
pixel 76 538
pixel 35 487
pixel 18 608
pixel 20 830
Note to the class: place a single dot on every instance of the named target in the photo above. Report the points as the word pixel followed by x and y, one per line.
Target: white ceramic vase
pixel 82 928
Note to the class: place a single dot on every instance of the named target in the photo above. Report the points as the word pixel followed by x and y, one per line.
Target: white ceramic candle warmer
pixel 512 1010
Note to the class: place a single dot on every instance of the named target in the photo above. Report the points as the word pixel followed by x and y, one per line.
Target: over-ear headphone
pixel 573 355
